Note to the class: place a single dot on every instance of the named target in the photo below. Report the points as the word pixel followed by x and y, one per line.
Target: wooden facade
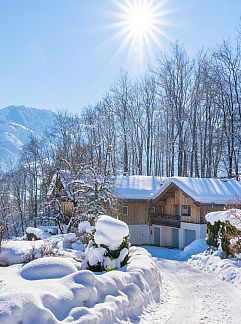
pixel 170 208
pixel 173 202
pixel 138 211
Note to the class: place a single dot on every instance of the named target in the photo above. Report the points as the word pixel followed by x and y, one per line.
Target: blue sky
pixel 58 54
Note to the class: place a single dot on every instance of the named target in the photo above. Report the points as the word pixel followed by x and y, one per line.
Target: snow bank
pixel 14 252
pixel 231 215
pixel 83 297
pixel 110 231
pixel 198 246
pixel 195 247
pixel 47 268
pixel 225 269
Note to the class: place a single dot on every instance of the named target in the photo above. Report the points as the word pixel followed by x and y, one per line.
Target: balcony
pixel 166 220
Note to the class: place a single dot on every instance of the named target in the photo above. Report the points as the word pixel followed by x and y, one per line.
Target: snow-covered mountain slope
pixel 17 123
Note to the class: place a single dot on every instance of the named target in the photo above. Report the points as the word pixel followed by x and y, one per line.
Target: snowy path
pixel 193 297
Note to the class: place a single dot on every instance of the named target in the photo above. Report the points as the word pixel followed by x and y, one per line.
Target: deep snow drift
pixel 81 296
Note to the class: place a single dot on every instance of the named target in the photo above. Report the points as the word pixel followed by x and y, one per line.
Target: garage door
pixel 175 237
pixel 190 236
pixel 157 236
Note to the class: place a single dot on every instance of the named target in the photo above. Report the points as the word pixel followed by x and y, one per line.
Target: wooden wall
pixel 67 207
pixel 176 197
pixel 137 212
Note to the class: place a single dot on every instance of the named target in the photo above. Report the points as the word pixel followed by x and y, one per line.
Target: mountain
pixel 17 123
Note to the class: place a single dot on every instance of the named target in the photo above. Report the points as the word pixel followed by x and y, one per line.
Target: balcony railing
pixel 166 220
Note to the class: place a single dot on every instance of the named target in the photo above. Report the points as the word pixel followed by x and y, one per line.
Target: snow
pixel 18 123
pixel 14 252
pixel 137 187
pixel 203 190
pixel 39 233
pixel 110 231
pixel 195 247
pixel 81 296
pixel 231 215
pixel 47 268
pixel 96 255
pixel 206 190
pixel 83 226
pixel 192 296
pixel 225 269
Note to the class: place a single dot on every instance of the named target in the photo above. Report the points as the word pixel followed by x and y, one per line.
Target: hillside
pixel 17 123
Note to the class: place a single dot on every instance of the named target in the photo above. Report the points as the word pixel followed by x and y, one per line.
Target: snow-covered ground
pixel 190 295
pixel 52 290
pixel 225 269
pixel 173 286
pixel 16 251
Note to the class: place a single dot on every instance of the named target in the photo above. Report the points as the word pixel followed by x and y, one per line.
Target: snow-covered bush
pixel 2 230
pixel 224 231
pixel 84 228
pixel 35 234
pixel 108 248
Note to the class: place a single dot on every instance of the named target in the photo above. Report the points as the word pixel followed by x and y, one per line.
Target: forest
pixel 182 118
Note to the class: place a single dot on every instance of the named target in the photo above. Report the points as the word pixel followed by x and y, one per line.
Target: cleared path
pixel 193 297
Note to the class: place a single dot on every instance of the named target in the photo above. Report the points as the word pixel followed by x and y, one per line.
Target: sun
pixel 139 27
pixel 139 19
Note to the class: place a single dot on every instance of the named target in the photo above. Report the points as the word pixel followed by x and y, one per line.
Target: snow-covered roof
pixel 137 186
pixel 206 190
pixel 202 190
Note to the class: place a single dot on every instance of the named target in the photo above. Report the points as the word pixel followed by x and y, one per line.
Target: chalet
pixel 164 211
pixel 171 212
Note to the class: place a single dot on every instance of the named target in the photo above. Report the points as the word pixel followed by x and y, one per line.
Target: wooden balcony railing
pixel 166 220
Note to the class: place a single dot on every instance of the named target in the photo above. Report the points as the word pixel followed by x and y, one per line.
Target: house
pixel 171 211
pixel 163 211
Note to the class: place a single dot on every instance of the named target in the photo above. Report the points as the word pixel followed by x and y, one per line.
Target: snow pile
pixel 81 296
pixel 225 269
pixel 195 247
pixel 110 232
pixel 37 233
pixel 15 252
pixel 198 246
pixel 47 268
pixel 231 215
pixel 84 226
pixel 109 247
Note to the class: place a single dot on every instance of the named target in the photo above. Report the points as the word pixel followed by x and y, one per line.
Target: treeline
pixel 182 118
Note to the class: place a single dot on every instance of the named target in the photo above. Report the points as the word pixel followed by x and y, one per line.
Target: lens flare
pixel 139 27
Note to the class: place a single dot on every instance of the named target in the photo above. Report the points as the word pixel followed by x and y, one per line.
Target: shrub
pixel 108 247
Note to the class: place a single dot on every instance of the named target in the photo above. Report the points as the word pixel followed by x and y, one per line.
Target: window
pixel 162 210
pixel 176 210
pixel 125 210
pixel 186 210
pixel 152 210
